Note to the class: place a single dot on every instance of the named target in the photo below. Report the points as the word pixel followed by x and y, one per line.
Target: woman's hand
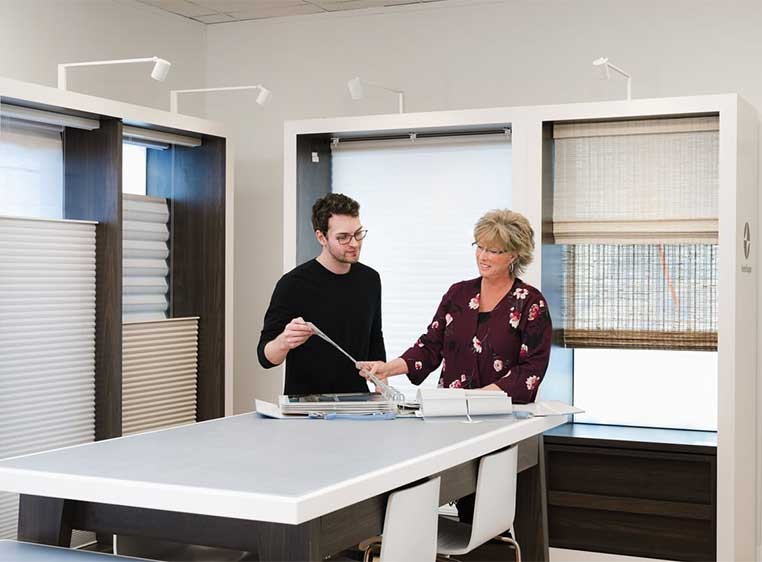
pixel 379 369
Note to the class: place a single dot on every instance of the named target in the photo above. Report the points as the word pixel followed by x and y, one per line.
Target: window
pixel 420 202
pixel 31 170
pixel 134 169
pixel 646 388
pixel 635 208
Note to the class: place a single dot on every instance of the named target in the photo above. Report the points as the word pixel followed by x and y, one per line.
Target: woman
pixel 492 332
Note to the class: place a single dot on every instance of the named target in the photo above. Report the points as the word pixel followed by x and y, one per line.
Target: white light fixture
pixel 159 71
pixel 605 67
pixel 263 96
pixel 357 91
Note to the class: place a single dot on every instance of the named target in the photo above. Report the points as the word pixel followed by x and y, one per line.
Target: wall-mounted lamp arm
pixel 605 65
pixel 159 72
pixel 356 90
pixel 262 98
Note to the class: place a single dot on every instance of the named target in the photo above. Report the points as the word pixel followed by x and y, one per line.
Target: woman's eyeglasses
pixel 344 237
pixel 489 251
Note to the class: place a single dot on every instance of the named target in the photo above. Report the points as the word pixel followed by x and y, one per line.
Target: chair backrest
pixel 495 502
pixel 410 524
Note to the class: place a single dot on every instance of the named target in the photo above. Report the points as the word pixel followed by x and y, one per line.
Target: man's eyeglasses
pixel 489 251
pixel 345 237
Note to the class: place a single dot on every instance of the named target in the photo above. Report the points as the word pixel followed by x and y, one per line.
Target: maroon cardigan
pixel 511 348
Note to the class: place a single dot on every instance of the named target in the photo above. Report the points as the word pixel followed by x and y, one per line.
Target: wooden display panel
pixel 193 181
pixel 93 191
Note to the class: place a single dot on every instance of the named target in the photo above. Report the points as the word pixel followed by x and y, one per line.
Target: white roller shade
pixel 636 182
pixel 47 340
pixel 145 253
pixel 159 372
pixel 31 170
pixel 419 202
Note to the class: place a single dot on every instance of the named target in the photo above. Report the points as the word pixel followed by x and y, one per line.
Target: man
pixel 339 295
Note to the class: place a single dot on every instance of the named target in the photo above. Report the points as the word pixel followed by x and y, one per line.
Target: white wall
pixel 449 55
pixel 35 35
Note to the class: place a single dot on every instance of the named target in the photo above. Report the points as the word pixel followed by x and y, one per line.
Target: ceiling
pixel 223 11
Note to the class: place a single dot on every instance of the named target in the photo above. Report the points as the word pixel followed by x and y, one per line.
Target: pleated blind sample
pixel 47 340
pixel 640 297
pixel 644 181
pixel 159 374
pixel 419 202
pixel 145 253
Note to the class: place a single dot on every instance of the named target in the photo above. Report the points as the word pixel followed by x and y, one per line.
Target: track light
pixel 160 69
pixel 606 67
pixel 159 72
pixel 357 91
pixel 262 98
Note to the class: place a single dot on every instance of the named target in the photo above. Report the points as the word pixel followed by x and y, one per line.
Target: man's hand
pixel 293 335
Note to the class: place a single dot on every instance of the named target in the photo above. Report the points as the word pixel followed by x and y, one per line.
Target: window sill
pixel 642 438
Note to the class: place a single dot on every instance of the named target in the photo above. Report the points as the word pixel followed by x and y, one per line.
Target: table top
pixel 248 467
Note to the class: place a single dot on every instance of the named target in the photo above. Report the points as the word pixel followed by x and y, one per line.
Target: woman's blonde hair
pixel 510 231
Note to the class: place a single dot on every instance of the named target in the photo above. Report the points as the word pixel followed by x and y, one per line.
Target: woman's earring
pixel 511 266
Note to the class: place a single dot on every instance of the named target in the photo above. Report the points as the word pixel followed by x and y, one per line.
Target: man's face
pixel 340 239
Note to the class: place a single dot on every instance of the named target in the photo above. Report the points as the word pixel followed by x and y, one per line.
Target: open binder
pixel 353 403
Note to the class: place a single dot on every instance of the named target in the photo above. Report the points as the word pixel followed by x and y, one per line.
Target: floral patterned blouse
pixel 510 347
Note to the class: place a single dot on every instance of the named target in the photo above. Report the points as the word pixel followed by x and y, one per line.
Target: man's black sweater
pixel 347 308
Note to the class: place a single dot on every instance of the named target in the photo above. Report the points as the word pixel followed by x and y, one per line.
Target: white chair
pixel 410 526
pixel 494 508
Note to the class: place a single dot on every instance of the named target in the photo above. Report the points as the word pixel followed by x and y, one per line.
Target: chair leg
pixel 514 544
pixel 367 546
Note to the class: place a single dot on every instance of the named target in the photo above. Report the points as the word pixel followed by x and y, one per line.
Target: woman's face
pixel 493 262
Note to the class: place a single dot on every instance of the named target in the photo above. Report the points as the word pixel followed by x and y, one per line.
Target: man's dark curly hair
pixel 332 204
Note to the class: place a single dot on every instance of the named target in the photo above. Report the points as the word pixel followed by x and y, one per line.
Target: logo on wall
pixel 746 240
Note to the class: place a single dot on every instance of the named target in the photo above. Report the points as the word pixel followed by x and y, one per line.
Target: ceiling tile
pixel 230 6
pixel 220 11
pixel 183 8
pixel 274 11
pixel 336 5
pixel 214 18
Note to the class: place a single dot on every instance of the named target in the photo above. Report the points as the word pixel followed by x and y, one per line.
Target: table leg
pixel 289 543
pixel 45 520
pixel 531 523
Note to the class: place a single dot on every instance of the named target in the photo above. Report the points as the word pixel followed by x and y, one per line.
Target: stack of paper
pixel 437 402
pixel 356 403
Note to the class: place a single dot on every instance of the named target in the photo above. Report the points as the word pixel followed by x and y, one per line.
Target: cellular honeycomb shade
pixel 159 373
pixel 145 253
pixel 47 340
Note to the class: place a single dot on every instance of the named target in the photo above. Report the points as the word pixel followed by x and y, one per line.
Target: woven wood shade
pixel 640 181
pixel 640 296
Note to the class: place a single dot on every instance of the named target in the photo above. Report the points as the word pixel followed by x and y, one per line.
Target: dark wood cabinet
pixel 632 491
